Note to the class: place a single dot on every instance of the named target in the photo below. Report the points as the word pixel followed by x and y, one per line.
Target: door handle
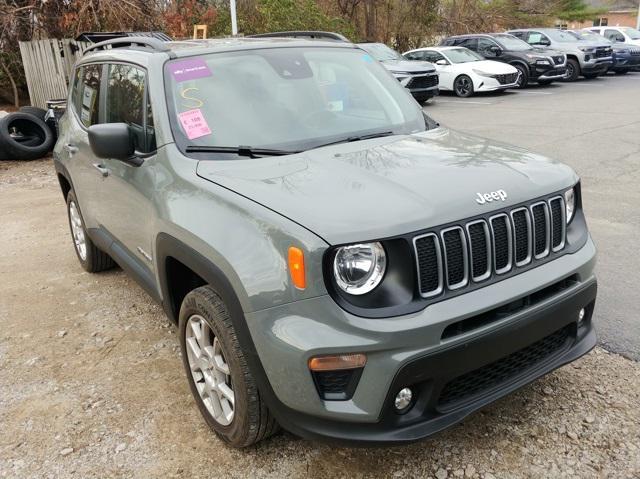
pixel 104 171
pixel 71 149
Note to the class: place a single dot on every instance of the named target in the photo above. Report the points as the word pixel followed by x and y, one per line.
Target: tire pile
pixel 24 135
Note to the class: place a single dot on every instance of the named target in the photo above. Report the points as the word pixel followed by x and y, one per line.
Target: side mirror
pixel 442 62
pixel 111 140
pixel 497 51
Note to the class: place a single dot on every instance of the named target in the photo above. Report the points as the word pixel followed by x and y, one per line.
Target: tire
pixel 573 70
pixel 90 256
pixel 250 421
pixel 35 111
pixel 24 137
pixel 524 75
pixel 463 86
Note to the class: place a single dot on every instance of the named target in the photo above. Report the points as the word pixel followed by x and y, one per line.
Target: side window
pixel 127 102
pixel 76 91
pixel 519 35
pixel 470 43
pixel 534 38
pixel 614 35
pixel 416 56
pixel 89 94
pixel 486 47
pixel 429 56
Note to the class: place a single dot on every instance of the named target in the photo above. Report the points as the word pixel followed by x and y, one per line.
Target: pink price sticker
pixel 194 124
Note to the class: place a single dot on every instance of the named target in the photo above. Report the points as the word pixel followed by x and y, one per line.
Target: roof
pixel 613 5
pixel 96 37
pixel 144 47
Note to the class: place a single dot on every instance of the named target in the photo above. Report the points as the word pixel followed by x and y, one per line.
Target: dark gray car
pixel 337 263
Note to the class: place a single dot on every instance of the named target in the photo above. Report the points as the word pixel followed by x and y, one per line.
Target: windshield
pixel 560 36
pixel 380 51
pixel 631 33
pixel 285 98
pixel 589 36
pixel 509 42
pixel 462 55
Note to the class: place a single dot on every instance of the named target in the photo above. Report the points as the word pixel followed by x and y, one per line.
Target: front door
pixel 125 209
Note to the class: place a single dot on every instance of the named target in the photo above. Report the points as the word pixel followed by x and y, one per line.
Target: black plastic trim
pixel 421 421
pixel 126 260
pixel 400 298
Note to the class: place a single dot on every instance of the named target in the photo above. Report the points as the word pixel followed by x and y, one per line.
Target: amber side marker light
pixel 296 267
pixel 336 362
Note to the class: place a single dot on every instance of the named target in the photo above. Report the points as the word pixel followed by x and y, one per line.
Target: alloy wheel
pixel 463 86
pixel 77 230
pixel 210 370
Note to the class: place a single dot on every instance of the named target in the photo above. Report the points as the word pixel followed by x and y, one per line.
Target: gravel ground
pixel 91 385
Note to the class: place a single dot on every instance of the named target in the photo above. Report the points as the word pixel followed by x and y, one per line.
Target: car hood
pixel 408 66
pixel 390 186
pixel 547 51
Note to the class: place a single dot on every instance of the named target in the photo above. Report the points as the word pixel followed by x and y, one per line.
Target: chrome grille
pixel 452 258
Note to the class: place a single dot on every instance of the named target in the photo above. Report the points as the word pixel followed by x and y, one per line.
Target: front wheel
pixel 463 86
pixel 218 374
pixel 523 78
pixel 573 70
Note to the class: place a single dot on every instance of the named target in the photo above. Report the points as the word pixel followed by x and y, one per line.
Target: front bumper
pixel 410 351
pixel 599 65
pixel 557 73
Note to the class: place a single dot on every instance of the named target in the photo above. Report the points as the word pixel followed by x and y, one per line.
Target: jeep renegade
pixel 337 263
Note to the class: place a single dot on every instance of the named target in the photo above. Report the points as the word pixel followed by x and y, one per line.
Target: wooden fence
pixel 48 65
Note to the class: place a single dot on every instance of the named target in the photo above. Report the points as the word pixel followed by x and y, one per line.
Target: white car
pixel 465 72
pixel 618 34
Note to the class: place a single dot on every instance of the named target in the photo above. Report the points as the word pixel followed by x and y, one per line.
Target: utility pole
pixel 234 21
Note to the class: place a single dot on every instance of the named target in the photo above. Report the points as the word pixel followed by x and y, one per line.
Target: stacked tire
pixel 24 135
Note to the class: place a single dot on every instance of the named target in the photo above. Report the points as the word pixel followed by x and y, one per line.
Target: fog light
pixel 403 399
pixel 581 315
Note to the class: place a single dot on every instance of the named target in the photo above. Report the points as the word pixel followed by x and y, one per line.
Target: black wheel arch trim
pixel 61 170
pixel 168 246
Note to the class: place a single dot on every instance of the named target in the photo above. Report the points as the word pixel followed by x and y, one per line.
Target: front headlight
pixel 483 74
pixel 359 268
pixel 570 204
pixel 542 61
pixel 587 49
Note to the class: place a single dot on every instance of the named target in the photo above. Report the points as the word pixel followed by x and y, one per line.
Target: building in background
pixel 622 13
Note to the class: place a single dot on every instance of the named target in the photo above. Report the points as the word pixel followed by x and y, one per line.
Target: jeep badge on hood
pixel 491 196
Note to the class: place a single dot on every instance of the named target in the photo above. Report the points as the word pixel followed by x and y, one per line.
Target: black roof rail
pixel 138 43
pixel 312 35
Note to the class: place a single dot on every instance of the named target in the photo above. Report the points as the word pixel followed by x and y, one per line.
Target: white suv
pixel 618 34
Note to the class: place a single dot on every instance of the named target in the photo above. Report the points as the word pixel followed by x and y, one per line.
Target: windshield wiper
pixel 240 150
pixel 351 139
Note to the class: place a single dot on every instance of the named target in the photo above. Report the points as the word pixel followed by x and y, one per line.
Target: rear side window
pixel 127 102
pixel 86 94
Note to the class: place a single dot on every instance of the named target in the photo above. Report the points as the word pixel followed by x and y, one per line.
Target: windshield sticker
pixel 194 124
pixel 189 70
pixel 197 103
pixel 367 58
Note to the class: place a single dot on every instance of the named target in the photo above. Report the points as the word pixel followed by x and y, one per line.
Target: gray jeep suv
pixel 337 263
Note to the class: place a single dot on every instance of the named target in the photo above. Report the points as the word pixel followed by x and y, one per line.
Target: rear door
pixel 127 191
pixel 83 112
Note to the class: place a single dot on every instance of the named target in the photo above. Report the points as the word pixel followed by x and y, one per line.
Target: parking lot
pixel 91 382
